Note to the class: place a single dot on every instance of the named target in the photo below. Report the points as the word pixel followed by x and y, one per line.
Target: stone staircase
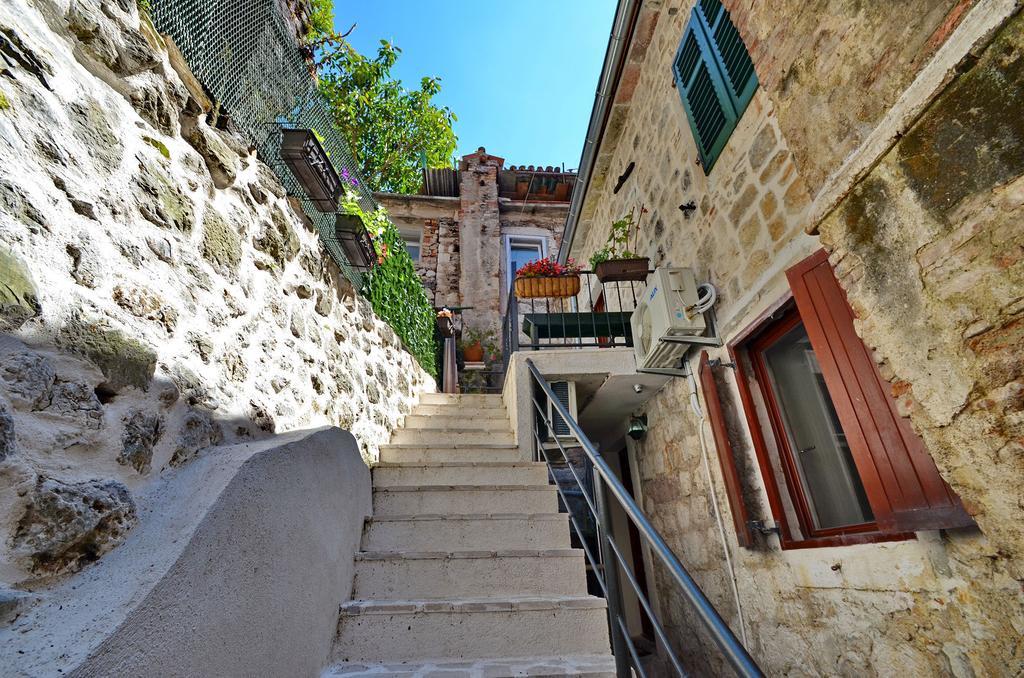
pixel 466 567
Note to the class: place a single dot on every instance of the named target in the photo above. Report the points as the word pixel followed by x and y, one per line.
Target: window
pixel 412 245
pixel 843 466
pixel 715 78
pixel 521 250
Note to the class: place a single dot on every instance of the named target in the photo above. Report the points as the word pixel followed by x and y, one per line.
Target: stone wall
pixel 159 293
pixel 462 248
pixel 929 252
pixel 835 68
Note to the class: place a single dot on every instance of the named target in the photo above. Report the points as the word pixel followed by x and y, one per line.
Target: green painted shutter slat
pixel 731 53
pixel 704 94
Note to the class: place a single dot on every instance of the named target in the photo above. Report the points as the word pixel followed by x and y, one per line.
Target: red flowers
pixel 548 268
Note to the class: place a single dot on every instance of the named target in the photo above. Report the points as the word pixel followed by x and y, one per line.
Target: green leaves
pixel 398 297
pixel 389 129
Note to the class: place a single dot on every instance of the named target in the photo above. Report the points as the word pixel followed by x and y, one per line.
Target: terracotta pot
pixel 619 270
pixel 560 287
pixel 474 353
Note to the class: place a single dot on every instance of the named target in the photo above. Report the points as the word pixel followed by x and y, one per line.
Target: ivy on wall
pixel 394 289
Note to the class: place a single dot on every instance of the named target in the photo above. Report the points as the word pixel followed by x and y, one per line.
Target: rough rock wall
pixel 158 292
pixel 930 248
pixel 920 271
pixel 834 67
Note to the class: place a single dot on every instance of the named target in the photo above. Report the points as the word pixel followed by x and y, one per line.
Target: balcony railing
pixel 597 317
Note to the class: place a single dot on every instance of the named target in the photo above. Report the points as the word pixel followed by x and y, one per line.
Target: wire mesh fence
pixel 246 56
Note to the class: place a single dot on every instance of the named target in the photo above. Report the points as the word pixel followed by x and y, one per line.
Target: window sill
pixel 845 540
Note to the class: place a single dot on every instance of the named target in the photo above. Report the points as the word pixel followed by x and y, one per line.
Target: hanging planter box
pixel 355 241
pixel 306 158
pixel 621 270
pixel 560 287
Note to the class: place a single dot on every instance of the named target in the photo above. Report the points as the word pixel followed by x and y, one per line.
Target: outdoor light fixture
pixel 638 388
pixel 354 240
pixel 306 158
pixel 637 427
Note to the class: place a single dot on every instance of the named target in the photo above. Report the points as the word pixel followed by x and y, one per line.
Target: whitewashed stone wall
pixel 158 293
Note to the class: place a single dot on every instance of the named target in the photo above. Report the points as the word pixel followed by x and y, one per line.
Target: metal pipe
pixel 618 41
pixel 611 578
pixel 723 636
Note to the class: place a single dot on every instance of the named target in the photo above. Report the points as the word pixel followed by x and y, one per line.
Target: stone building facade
pixel 160 294
pixel 467 225
pixel 889 135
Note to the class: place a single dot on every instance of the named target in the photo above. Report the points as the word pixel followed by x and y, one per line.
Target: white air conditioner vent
pixel 565 391
pixel 665 310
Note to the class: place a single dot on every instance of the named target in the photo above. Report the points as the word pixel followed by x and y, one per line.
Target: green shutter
pixel 715 78
pixel 705 95
pixel 730 52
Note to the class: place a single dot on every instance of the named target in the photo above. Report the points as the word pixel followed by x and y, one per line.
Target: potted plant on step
pixel 475 342
pixel 548 278
pixel 615 262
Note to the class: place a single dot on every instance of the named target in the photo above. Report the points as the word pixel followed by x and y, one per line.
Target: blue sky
pixel 519 75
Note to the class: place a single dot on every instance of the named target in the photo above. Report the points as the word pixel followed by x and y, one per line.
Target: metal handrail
pixel 719 631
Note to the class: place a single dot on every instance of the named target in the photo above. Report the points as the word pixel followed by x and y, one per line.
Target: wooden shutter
pixel 731 54
pixel 726 460
pixel 704 93
pixel 900 479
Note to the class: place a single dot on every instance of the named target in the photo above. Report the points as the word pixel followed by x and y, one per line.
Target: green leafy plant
pixel 487 339
pixel 617 245
pixel 393 288
pixel 321 19
pixel 391 131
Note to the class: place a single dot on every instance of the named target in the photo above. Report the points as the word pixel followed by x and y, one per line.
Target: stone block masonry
pixel 159 295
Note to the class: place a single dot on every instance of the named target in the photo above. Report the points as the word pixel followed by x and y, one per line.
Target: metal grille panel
pixel 245 55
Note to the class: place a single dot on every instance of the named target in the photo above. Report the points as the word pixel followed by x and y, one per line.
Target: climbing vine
pixel 393 287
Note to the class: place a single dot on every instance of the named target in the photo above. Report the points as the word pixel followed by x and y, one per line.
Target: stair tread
pixel 470 516
pixel 353 608
pixel 459 464
pixel 497 667
pixel 469 554
pixel 464 488
pixel 455 445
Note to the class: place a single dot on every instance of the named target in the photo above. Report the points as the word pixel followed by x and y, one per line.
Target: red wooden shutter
pixel 900 478
pixel 733 488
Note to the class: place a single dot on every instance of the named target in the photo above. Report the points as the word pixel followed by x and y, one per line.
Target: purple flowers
pixel 347 177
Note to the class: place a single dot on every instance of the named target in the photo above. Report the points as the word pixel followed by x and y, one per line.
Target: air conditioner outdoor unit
pixel 665 310
pixel 566 393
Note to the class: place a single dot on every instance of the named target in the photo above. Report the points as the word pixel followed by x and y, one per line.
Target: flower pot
pixel 620 270
pixel 473 353
pixel 446 326
pixel 560 287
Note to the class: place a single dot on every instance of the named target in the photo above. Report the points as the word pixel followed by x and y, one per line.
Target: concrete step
pixel 455 531
pixel 413 500
pixel 404 575
pixel 443 422
pixel 465 412
pixel 459 400
pixel 464 473
pixel 470 628
pixel 404 453
pixel 431 437
pixel 582 666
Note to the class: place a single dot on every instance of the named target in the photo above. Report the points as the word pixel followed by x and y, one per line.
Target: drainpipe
pixel 618 42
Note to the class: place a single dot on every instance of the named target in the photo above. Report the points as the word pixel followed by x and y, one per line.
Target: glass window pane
pixel 830 479
pixel 412 246
pixel 522 253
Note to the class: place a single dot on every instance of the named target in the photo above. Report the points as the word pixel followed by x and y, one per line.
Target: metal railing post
pixel 611 578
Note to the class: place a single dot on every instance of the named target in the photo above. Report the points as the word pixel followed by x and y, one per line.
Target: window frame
pixel 775 330
pixel 778 315
pixel 409 235
pixel 512 239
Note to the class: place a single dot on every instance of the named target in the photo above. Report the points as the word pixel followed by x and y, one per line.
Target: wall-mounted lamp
pixel 637 427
